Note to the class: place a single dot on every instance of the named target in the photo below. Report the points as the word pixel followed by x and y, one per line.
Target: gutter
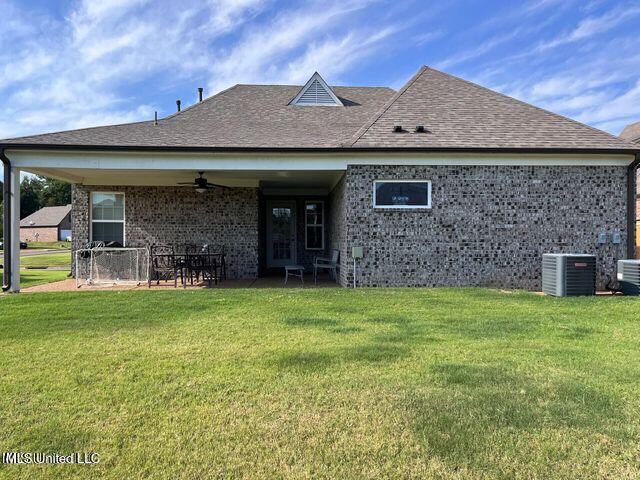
pixel 6 196
pixel 631 207
pixel 337 149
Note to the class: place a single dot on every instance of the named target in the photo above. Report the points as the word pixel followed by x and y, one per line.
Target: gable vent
pixel 316 92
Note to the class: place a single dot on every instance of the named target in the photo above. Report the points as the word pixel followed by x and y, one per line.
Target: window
pixel 402 194
pixel 107 217
pixel 314 225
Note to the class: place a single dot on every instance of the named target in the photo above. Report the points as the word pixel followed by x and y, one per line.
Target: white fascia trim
pixel 196 161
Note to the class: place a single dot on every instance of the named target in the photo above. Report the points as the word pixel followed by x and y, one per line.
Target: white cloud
pixel 591 26
pixel 79 73
pixel 270 53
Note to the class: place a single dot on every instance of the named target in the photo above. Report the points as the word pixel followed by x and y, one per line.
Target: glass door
pixel 281 233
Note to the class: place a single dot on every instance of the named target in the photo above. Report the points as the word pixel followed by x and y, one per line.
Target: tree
pixel 55 192
pixel 37 192
pixel 30 194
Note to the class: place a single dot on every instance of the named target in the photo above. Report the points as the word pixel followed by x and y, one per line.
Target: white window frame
pixel 403 207
pixel 321 225
pixel 124 215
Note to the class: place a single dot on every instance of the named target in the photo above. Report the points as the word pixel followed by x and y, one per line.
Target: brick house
pixel 631 133
pixel 443 182
pixel 49 224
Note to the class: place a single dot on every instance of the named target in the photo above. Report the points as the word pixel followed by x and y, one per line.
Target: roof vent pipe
pixel 200 89
pixel 155 119
pixel 178 104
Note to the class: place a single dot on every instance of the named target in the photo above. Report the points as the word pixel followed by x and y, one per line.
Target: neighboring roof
pixel 631 133
pixel 457 114
pixel 461 114
pixel 258 116
pixel 46 217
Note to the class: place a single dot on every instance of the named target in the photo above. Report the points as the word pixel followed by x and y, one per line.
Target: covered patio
pixel 264 212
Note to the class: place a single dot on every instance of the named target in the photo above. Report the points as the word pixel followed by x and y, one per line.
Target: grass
pixel 438 383
pixel 30 278
pixel 46 260
pixel 59 245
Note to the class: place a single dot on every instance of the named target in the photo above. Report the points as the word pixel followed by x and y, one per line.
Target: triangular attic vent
pixel 316 92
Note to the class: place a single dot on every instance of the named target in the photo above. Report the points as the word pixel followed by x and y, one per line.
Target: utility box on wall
pixel 567 274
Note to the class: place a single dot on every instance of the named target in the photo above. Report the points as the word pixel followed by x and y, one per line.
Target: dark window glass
pixel 108 232
pixel 402 194
pixel 314 224
pixel 314 237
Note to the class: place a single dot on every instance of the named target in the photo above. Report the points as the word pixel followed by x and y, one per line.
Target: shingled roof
pixel 255 116
pixel 456 114
pixel 46 217
pixel 631 133
pixel 459 114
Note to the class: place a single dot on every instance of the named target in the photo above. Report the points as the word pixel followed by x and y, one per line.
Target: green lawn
pixel 59 245
pixel 29 278
pixel 46 260
pixel 322 383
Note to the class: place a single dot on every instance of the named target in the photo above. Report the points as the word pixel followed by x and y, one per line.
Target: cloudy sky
pixel 83 63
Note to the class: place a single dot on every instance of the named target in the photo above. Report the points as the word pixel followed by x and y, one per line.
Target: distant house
pixel 49 224
pixel 631 133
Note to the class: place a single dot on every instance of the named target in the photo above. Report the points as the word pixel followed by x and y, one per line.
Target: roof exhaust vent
pixel 397 129
pixel 155 117
pixel 178 104
pixel 200 89
pixel 420 129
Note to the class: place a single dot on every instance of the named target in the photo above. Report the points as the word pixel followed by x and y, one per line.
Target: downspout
pixel 7 246
pixel 631 207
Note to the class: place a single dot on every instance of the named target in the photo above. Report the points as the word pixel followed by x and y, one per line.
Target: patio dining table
pixel 205 263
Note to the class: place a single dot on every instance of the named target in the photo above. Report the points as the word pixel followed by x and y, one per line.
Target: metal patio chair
pixel 326 263
pixel 162 264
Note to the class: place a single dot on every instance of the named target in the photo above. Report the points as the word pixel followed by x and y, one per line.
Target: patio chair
pixel 326 263
pixel 162 264
pixel 221 253
pixel 193 261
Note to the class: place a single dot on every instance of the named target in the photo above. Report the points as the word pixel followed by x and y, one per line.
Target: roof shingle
pixel 631 133
pixel 46 217
pixel 461 114
pixel 257 116
pixel 456 113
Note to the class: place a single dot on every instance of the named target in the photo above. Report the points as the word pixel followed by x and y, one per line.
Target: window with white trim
pixel 402 194
pixel 107 217
pixel 314 225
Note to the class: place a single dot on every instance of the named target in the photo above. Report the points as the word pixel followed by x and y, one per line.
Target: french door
pixel 281 233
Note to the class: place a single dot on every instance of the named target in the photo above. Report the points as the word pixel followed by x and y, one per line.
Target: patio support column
pixel 14 183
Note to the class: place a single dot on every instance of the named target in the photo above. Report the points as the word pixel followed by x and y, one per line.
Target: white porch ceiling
pixel 245 178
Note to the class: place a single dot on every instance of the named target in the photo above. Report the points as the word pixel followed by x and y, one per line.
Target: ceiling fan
pixel 200 184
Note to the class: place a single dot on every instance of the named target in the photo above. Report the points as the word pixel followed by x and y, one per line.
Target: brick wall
pixel 172 215
pixel 338 228
pixel 488 226
pixel 44 234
